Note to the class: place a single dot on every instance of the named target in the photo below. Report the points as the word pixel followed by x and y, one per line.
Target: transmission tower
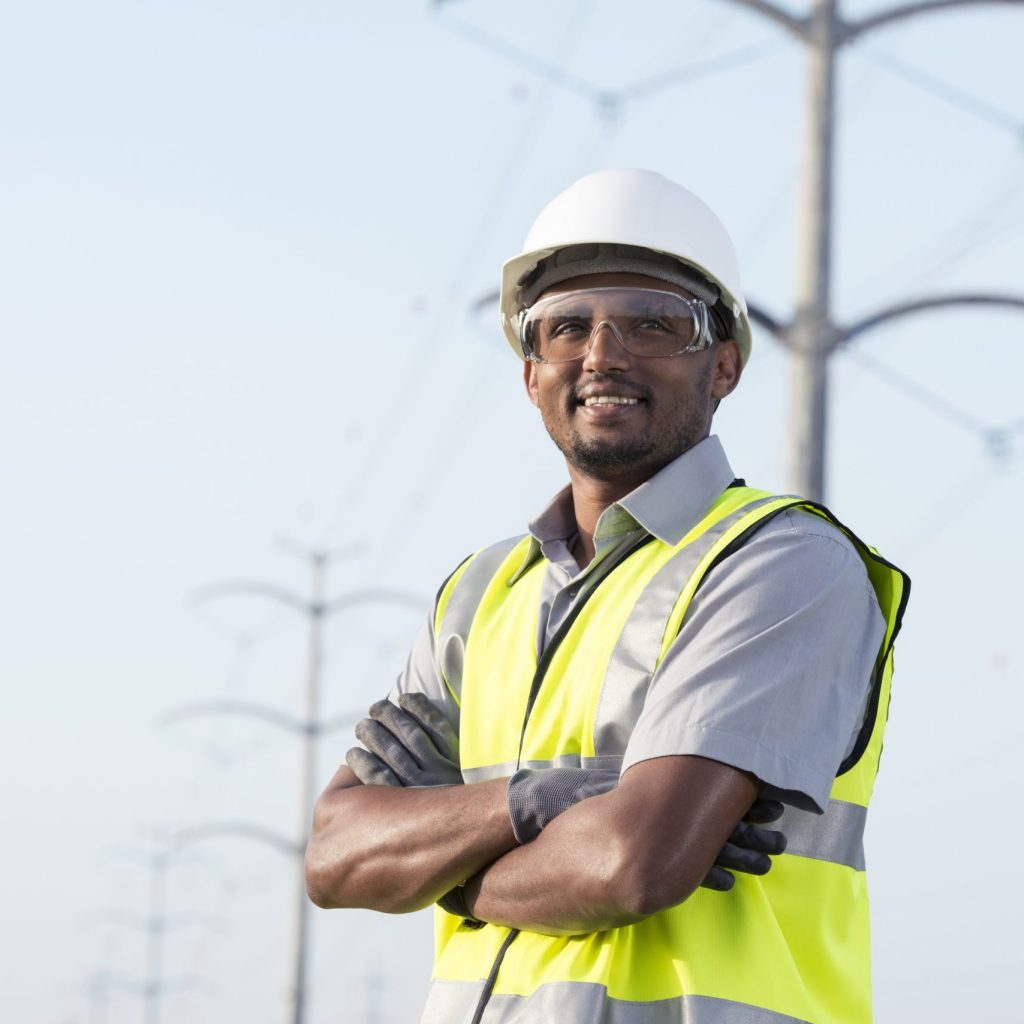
pixel 154 923
pixel 811 334
pixel 310 727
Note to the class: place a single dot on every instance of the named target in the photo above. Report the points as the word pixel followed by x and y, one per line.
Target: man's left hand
pixel 750 848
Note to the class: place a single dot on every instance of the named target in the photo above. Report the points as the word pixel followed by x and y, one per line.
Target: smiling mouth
pixel 610 400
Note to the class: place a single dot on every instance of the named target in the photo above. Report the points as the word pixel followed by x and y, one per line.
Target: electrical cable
pixel 424 355
pixel 556 74
pixel 942 513
pixel 701 69
pixel 552 73
pixel 951 94
pixel 911 388
pixel 570 36
pixel 983 232
pixel 456 439
pixel 974 229
pixel 758 232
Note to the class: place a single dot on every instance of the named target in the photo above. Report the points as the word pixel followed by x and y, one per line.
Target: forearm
pixel 570 880
pixel 399 849
pixel 616 858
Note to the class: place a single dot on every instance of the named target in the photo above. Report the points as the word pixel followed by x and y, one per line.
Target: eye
pixel 565 327
pixel 652 323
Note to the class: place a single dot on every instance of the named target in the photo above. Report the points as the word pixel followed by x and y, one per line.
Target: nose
pixel 606 350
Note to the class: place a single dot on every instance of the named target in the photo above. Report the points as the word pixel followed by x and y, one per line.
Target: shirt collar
pixel 668 505
pixel 677 497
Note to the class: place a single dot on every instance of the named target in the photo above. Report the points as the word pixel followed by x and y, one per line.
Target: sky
pixel 246 254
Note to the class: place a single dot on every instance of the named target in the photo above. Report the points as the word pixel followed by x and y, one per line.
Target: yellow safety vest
pixel 789 947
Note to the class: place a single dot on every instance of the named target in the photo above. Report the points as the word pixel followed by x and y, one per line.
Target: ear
pixel 530 380
pixel 728 367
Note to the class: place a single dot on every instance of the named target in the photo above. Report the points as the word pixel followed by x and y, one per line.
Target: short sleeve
pixel 422 674
pixel 772 668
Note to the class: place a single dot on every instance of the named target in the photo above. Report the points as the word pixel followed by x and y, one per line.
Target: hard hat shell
pixel 636 208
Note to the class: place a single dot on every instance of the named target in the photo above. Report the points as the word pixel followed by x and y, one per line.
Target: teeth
pixel 611 400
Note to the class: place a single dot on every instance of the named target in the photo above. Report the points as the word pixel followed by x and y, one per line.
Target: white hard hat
pixel 635 209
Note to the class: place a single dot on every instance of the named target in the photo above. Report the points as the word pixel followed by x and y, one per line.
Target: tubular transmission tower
pixel 811 334
pixel 310 727
pixel 154 924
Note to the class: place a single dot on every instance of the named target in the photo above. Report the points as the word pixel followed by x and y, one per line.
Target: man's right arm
pixel 399 849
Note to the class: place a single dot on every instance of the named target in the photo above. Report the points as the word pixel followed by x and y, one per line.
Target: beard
pixel 667 437
pixel 606 460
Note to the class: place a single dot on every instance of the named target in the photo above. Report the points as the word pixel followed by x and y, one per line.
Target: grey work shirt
pixel 771 670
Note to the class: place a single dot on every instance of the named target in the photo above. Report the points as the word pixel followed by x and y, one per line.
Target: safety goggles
pixel 561 327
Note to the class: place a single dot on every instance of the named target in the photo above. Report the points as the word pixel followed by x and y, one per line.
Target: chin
pixel 610 460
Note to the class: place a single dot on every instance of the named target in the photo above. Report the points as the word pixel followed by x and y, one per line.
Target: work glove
pixel 411 744
pixel 537 797
pixel 750 848
pixel 454 902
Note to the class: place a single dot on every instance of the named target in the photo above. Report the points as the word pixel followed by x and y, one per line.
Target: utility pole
pixel 811 334
pixel 155 923
pixel 310 727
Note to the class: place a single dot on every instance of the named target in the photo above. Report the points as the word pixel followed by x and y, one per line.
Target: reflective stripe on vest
pixel 791 946
pixel 456 606
pixel 562 1002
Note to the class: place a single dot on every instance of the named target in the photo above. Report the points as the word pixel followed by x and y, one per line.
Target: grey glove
pixel 454 902
pixel 749 849
pixel 537 797
pixel 412 744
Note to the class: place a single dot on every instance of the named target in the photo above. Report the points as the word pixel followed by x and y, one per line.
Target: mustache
pixel 632 388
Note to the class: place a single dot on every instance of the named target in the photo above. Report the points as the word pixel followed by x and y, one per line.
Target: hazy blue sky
pixel 241 244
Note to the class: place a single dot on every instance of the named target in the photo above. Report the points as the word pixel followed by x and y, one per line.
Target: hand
pixel 537 796
pixel 749 847
pixel 412 744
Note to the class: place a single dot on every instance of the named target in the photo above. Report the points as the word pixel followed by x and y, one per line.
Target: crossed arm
pixel 610 860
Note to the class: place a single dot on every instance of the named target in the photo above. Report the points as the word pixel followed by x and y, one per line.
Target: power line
pixel 424 356
pixel 995 438
pixel 555 74
pixel 973 230
pixel 951 94
pixel 604 98
pixel 700 69
pixel 952 504
pixel 455 439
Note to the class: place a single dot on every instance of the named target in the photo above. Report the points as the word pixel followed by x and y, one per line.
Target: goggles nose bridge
pixel 616 333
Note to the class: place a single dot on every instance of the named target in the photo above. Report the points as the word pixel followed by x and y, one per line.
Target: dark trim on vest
pixel 739 540
pixel 615 560
pixel 871 712
pixel 492 977
pixel 447 580
pixel 868 727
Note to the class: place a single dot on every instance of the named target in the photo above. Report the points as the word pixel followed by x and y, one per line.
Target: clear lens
pixel 649 323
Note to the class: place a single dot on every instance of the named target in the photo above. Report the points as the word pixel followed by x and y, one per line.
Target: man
pixel 595 708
